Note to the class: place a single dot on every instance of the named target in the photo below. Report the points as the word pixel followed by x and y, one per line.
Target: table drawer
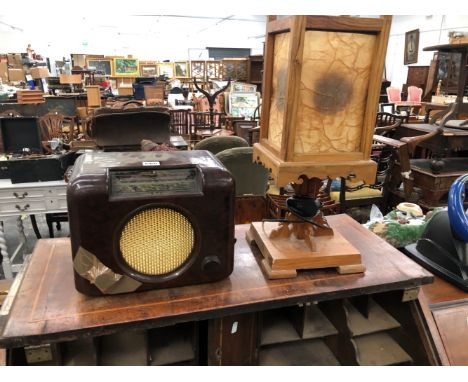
pixel 56 204
pixel 21 194
pixel 24 206
pixel 28 193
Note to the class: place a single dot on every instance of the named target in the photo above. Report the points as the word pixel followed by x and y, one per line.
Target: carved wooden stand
pixel 290 246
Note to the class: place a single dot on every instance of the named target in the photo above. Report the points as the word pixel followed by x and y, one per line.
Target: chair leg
pixel 34 226
pixel 50 226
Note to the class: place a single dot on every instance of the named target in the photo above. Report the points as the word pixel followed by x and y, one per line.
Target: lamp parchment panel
pixel 333 92
pixel 278 89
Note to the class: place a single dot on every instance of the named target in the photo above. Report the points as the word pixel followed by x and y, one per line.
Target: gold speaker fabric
pixel 157 241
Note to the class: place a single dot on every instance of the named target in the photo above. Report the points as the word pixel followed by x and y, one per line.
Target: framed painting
pixel 102 66
pixel 148 70
pixel 213 70
pixel 181 69
pixel 240 87
pixel 411 47
pixel 197 69
pixel 235 69
pixel 243 104
pixel 166 69
pixel 126 67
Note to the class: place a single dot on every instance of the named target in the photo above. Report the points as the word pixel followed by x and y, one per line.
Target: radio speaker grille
pixel 157 241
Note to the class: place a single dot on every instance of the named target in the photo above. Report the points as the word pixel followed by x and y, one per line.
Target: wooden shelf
pixel 277 328
pixel 293 324
pixel 81 352
pixel 304 353
pixel 378 319
pixel 379 349
pixel 126 348
pixel 172 346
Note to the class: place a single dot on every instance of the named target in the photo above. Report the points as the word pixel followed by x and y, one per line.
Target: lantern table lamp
pixel 322 78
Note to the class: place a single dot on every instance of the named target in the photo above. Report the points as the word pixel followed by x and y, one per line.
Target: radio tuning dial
pixel 210 264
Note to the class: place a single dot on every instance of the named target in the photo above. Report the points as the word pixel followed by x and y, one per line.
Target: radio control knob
pixel 210 264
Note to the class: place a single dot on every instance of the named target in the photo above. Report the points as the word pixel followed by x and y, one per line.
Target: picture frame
pixel 101 65
pixel 126 67
pixel 243 104
pixel 166 69
pixel 241 87
pixel 213 70
pixel 181 69
pixel 411 47
pixel 198 69
pixel 148 70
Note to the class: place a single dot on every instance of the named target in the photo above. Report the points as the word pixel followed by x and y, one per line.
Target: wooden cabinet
pixel 255 71
pixel 317 318
pixel 417 76
pixel 350 331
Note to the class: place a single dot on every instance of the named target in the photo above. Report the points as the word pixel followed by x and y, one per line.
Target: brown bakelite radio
pixel 145 220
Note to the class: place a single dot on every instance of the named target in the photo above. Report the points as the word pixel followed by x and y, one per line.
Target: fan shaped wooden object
pixel 322 78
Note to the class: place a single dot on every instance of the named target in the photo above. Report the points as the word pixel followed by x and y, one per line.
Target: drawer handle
pixel 22 209
pixel 20 197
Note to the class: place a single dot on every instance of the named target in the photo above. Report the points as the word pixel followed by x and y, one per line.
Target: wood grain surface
pixel 445 308
pixel 47 307
pixel 278 89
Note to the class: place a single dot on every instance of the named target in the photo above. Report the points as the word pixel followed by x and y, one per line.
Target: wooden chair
pixel 387 123
pixel 354 193
pixel 51 125
pixel 180 122
pixel 200 125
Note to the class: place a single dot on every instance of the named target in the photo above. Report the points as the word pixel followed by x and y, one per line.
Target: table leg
pixel 6 263
pixel 22 236
pixel 34 226
pixel 426 115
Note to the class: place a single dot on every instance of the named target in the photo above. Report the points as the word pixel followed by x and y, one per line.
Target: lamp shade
pixel 321 84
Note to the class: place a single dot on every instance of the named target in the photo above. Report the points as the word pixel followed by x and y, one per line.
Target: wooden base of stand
pixel 284 256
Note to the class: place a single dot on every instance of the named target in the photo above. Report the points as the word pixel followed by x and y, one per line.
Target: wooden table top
pixel 428 128
pixel 445 308
pixel 47 307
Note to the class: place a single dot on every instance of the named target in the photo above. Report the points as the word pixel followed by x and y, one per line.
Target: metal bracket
pixel 38 354
pixel 410 294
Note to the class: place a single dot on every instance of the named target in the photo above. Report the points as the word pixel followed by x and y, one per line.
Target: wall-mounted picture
pixel 181 69
pixel 148 70
pixel 411 47
pixel 213 70
pixel 197 69
pixel 126 67
pixel 166 69
pixel 101 66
